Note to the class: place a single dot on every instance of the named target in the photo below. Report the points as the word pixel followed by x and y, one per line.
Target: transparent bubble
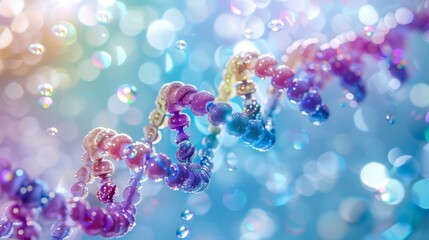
pixel 45 102
pixel 406 167
pixel 288 16
pixel 36 48
pixel 182 232
pixel 390 119
pixel 390 191
pixel 301 139
pixel 275 25
pixel 373 174
pixel 248 33
pixel 46 89
pixel 420 193
pixel 368 31
pixel 104 16
pixel 231 161
pixel 160 34
pixel 127 93
pixel 242 7
pixel 59 30
pixel 187 215
pixel 181 44
pixel 52 131
pixel 101 59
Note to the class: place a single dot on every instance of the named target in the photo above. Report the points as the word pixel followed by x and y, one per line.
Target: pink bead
pixel 103 168
pixel 88 142
pixel 282 77
pixel 170 95
pixel 118 144
pixel 265 65
pixel 79 189
pixel 87 161
pixel 83 174
pixel 103 138
pixel 199 102
pixel 135 154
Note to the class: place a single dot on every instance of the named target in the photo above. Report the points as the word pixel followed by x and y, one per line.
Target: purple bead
pixel 170 95
pixel 59 230
pixel 326 54
pixel 14 181
pixel 219 113
pixel 6 228
pixel 16 213
pixel 4 164
pixel 157 167
pixel 28 231
pixel 79 189
pixel 94 221
pixel 106 192
pixel 199 103
pixel 186 152
pixel 179 120
pixel 110 225
pixel 181 136
pixel 340 66
pixel 32 194
pixel 398 72
pixel 282 77
pixel 350 79
pixel 265 65
pixel 297 91
pixel 185 94
pixel 55 207
pixel 177 176
pixel 77 209
pixel 135 154
pixel 310 102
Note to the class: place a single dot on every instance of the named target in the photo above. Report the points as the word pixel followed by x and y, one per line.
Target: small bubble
pixel 187 215
pixel 182 232
pixel 301 140
pixel 45 102
pixel 275 25
pixel 181 44
pixel 36 48
pixel 59 30
pixel 127 93
pixel 248 33
pixel 390 191
pixel 104 16
pixel 368 31
pixel 231 161
pixel 288 16
pixel 52 131
pixel 101 59
pixel 46 89
pixel 390 119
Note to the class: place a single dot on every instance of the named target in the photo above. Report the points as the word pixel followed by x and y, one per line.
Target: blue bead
pixel 310 102
pixel 14 181
pixel 59 230
pixel 219 113
pixel 206 152
pixel 210 141
pixel 237 126
pixel 398 72
pixel 320 115
pixel 266 143
pixel 186 152
pixel 177 176
pixel 358 91
pixel 297 91
pixel 254 132
pixel 32 194
pixel 350 79
pixel 6 228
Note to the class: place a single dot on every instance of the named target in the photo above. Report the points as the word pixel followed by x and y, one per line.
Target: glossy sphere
pixel 186 152
pixel 106 192
pixel 358 91
pixel 59 230
pixel 297 90
pixel 55 207
pixel 31 194
pixel 398 72
pixel 179 120
pixel 350 79
pixel 310 102
pixel 320 115
pixel 118 144
pixel 93 221
pixel 30 230
pixel 340 66
pixel 254 132
pixel 265 65
pixel 103 168
pixel 199 103
pixel 14 181
pixel 77 209
pixel 282 77
pixel 219 113
pixel 237 125
pixel 266 142
pixel 177 176
pixel 185 94
pixel 135 154
pixel 157 167
pixel 16 212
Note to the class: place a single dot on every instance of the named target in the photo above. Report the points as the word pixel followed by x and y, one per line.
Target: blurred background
pixel 67 66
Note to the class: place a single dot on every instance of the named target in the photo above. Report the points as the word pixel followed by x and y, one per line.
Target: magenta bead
pixel 179 120
pixel 106 192
pixel 157 167
pixel 170 95
pixel 78 189
pixel 103 168
pixel 135 154
pixel 103 138
pixel 185 94
pixel 16 212
pixel 199 103
pixel 265 65
pixel 83 174
pixel 94 221
pixel 28 231
pixel 118 144
pixel 77 209
pixel 55 207
pixel 282 77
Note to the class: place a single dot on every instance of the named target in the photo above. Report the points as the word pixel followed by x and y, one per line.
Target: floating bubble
pixel 242 7
pixel 46 89
pixel 420 193
pixel 45 102
pixel 181 44
pixel 101 59
pixel 390 119
pixel 248 33
pixel 368 31
pixel 368 15
pixel 234 200
pixel 52 131
pixel 127 93
pixel 59 30
pixel 406 167
pixel 182 232
pixel 187 215
pixel 373 174
pixel 258 223
pixel 275 25
pixel 390 191
pixel 160 34
pixel 104 16
pixel 331 165
pixel 419 95
pixel 231 161
pixel 36 48
pixel 288 16
pixel 301 140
